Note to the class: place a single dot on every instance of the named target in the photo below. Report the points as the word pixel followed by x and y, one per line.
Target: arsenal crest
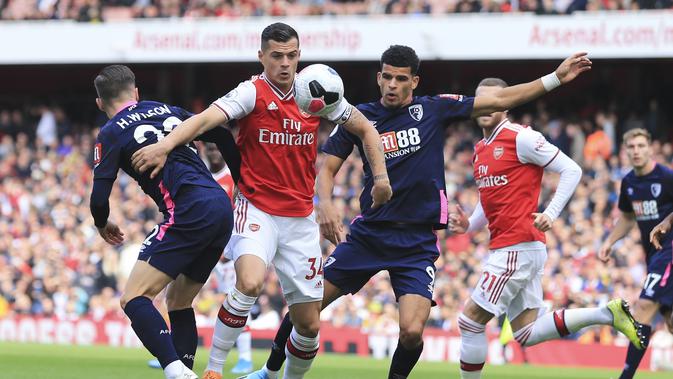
pixel 498 152
pixel 656 189
pixel 416 112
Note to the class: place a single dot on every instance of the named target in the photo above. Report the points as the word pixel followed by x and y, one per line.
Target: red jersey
pixel 278 145
pixel 508 168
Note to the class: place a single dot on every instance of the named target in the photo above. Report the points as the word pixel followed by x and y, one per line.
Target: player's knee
pixel 174 302
pixel 411 336
pixel 307 328
pixel 250 285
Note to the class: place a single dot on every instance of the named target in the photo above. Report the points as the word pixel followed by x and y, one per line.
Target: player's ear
pixel 136 94
pixel 99 103
pixel 378 78
pixel 260 54
pixel 414 81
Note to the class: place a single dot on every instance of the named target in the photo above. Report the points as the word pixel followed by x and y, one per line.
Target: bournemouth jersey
pixel 413 143
pixel 508 168
pixel 139 125
pixel 278 145
pixel 650 198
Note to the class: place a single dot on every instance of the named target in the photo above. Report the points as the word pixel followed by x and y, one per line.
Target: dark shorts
pixel 658 285
pixel 408 252
pixel 192 236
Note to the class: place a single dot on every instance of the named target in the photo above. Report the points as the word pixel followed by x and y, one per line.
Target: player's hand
pixel 605 251
pixel 331 227
pixel 381 191
pixel 150 157
pixel 572 67
pixel 541 221
pixel 458 221
pixel 659 231
pixel 111 234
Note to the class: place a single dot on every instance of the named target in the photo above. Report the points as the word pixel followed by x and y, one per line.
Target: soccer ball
pixel 318 89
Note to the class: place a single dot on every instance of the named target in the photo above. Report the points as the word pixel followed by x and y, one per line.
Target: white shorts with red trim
pixel 511 281
pixel 292 244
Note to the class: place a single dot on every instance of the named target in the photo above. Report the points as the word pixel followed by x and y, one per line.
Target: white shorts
pixel 511 281
pixel 292 244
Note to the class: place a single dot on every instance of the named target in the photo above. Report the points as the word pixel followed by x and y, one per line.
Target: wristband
pixel 550 81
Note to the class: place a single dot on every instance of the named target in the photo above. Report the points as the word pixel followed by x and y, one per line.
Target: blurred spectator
pixel 99 10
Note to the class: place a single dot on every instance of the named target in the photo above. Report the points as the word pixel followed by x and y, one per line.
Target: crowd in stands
pixel 53 262
pixel 102 10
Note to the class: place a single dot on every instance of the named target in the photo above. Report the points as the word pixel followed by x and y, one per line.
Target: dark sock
pixel 151 328
pixel 634 356
pixel 404 361
pixel 277 356
pixel 184 334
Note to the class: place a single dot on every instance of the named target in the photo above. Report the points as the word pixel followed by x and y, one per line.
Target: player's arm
pixel 106 159
pixel 626 221
pixel 226 144
pixel 533 148
pixel 510 97
pixel 661 230
pixel 358 125
pixel 331 226
pixel 154 156
pixel 236 104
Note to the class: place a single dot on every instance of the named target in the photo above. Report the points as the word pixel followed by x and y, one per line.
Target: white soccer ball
pixel 318 89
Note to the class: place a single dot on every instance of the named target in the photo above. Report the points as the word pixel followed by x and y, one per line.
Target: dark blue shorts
pixel 192 236
pixel 408 252
pixel 658 285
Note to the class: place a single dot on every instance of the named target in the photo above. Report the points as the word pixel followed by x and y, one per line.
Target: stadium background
pixel 54 266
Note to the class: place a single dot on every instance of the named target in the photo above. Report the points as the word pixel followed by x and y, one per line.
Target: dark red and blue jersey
pixel 132 128
pixel 413 144
pixel 650 199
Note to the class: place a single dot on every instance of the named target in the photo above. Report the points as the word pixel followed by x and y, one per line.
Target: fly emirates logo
pixel 487 181
pixel 291 135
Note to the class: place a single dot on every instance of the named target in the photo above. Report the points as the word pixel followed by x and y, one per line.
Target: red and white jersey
pixel 508 168
pixel 225 180
pixel 278 145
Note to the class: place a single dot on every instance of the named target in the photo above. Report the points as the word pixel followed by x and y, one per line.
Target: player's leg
pixel 414 313
pixel 644 311
pixel 252 246
pixel 179 297
pixel 244 347
pixel 505 273
pixel 277 355
pixel 473 343
pixel 234 312
pixel 143 284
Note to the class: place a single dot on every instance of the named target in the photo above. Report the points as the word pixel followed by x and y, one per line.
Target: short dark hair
pixel 492 82
pixel 401 56
pixel 279 32
pixel 113 80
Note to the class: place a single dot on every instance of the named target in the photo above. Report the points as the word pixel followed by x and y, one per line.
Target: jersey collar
pixel 282 96
pixel 496 131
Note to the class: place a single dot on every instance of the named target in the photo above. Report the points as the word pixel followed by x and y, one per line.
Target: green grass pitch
pixel 33 361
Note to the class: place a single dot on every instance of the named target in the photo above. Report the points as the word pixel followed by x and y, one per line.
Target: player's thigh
pixel 306 317
pixel 181 293
pixel 298 262
pixel 504 275
pixel 349 268
pixel 529 302
pixel 250 274
pixel 657 293
pixel 254 233
pixel 414 313
pixel 331 293
pixel 476 313
pixel 144 280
